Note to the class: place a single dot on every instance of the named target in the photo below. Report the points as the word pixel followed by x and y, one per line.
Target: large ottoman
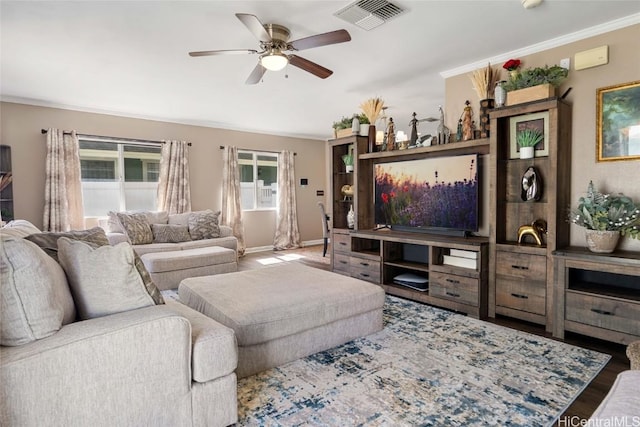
pixel 286 312
pixel 167 269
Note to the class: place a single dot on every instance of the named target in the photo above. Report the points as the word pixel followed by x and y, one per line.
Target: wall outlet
pixel 565 63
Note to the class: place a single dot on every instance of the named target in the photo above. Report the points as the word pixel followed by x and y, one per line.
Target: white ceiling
pixel 130 57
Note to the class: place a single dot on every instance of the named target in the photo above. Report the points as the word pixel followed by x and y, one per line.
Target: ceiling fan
pixel 274 42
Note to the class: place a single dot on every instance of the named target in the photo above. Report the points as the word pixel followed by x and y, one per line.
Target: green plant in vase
pixel 527 139
pixel 347 159
pixel 529 77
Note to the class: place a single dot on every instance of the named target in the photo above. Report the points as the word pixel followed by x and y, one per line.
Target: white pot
pixel 349 168
pixel 526 152
pixel 364 129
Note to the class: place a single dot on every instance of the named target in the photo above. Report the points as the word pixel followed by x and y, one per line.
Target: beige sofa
pixel 621 406
pixel 159 365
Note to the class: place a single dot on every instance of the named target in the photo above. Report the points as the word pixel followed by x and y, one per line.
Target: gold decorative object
pixel 536 229
pixel 347 191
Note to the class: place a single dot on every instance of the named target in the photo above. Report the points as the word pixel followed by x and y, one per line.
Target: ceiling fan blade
pixel 333 37
pixel 223 52
pixel 255 26
pixel 256 75
pixel 309 66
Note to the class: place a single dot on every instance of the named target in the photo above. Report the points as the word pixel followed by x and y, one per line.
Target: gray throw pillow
pixel 35 299
pixel 137 228
pixel 95 237
pixel 167 233
pixel 204 225
pixel 103 280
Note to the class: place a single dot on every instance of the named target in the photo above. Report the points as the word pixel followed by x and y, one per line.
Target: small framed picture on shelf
pixel 618 122
pixel 534 121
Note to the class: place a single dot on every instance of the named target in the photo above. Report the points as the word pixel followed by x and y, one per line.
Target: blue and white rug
pixel 426 367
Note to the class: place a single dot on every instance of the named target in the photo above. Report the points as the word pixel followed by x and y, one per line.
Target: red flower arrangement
pixel 511 64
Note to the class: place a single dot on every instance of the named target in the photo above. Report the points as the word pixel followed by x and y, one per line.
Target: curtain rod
pixel 83 135
pixel 257 151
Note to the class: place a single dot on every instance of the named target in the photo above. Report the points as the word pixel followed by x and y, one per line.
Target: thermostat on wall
pixel 591 58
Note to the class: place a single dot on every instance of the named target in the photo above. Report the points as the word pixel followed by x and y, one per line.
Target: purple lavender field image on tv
pixel 437 192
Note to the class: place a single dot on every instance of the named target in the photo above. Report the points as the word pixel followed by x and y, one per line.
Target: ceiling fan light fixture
pixel 530 4
pixel 274 61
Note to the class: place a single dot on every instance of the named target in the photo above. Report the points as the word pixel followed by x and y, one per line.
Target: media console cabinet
pixel 597 294
pixel 379 256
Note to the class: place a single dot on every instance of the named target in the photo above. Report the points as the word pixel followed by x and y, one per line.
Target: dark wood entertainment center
pixel 562 288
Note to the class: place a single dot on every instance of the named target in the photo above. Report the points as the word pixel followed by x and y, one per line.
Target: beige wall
pixel 623 67
pixel 20 129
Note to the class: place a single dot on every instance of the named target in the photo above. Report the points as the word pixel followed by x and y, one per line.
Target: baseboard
pixel 270 248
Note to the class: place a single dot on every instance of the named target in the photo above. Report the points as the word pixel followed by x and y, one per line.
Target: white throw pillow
pixel 103 280
pixel 18 228
pixel 34 293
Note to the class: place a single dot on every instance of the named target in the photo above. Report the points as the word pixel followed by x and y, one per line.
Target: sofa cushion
pixel 18 228
pixel 168 233
pixel 204 225
pixel 35 298
pixel 154 217
pixel 48 240
pixel 103 280
pixel 137 228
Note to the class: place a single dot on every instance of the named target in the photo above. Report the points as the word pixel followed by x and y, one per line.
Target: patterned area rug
pixel 426 367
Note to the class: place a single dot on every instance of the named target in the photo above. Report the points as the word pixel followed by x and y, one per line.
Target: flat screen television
pixel 432 194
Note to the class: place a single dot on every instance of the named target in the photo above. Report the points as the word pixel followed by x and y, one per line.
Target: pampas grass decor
pixel 484 80
pixel 372 108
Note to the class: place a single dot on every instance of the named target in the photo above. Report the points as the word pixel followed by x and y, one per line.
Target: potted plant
pixel 364 124
pixel 347 159
pixel 342 127
pixel 605 218
pixel 527 139
pixel 535 83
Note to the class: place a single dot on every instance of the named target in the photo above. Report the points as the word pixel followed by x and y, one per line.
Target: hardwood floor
pixel 582 407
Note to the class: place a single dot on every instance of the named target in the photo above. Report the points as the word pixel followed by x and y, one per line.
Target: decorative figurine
pixel 467 132
pixel 414 129
pixel 444 133
pixel 536 229
pixel 531 185
pixel 391 135
pixel 459 131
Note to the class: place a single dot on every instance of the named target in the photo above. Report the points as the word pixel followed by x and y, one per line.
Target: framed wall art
pixel 618 122
pixel 535 121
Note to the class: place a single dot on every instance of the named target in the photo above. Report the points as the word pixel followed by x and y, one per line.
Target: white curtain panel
pixel 231 207
pixel 63 209
pixel 174 190
pixel 287 233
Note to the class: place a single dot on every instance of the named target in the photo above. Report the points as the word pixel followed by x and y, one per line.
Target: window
pixel 258 180
pixel 118 176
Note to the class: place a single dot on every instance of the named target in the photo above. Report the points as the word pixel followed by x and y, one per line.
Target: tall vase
pixel 500 94
pixel 351 217
pixel 486 105
pixel 371 138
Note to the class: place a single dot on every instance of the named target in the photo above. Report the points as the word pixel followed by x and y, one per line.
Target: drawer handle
pixel 520 296
pixel 364 274
pixel 520 267
pixel 453 281
pixel 342 243
pixel 451 294
pixel 604 312
pixel 343 262
pixel 365 264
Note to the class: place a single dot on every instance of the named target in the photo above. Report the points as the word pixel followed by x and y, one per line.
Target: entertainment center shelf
pixel 380 256
pixel 480 146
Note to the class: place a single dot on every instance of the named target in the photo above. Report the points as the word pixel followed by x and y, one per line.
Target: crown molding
pixel 546 45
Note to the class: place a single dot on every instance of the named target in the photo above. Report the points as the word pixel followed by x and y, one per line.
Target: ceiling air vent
pixel 369 14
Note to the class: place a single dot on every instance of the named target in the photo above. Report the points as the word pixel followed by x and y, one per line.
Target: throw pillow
pixel 95 237
pixel 166 233
pixel 35 294
pixel 103 280
pixel 48 240
pixel 136 227
pixel 154 217
pixel 204 225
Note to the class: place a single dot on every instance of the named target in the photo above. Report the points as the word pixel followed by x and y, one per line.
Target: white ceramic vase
pixel 602 242
pixel 351 217
pixel 526 152
pixel 364 129
pixel 500 94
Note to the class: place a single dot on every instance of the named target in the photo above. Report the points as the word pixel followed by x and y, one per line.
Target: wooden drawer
pixel 452 287
pixel 520 294
pixel 341 243
pixel 603 312
pixel 365 269
pixel 524 266
pixel 341 263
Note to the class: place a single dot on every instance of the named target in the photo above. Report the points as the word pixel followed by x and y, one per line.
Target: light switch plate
pixel 591 58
